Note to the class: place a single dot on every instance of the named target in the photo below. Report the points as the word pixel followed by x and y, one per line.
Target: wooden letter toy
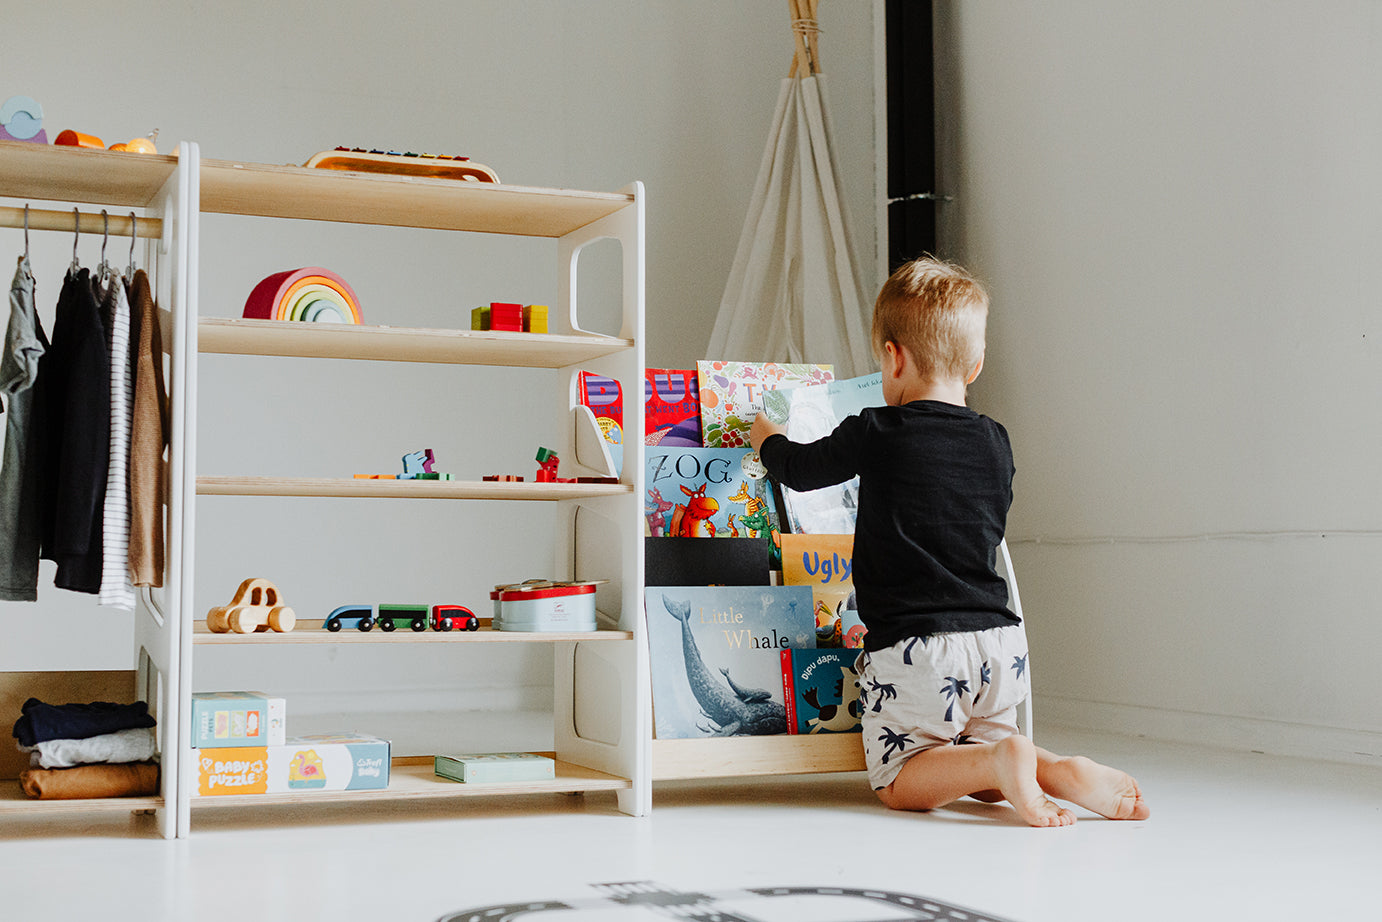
pixel 255 607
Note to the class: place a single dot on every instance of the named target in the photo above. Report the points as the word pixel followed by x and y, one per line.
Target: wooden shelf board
pixel 266 190
pixel 74 174
pixel 14 801
pixel 218 485
pixel 312 633
pixel 412 777
pixel 401 344
pixel 757 755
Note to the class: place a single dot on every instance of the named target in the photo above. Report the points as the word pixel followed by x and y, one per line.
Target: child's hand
pixel 762 428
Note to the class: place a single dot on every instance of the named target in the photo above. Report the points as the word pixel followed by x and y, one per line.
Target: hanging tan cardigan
pixel 148 440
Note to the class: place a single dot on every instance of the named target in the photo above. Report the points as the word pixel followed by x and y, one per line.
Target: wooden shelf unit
pixel 160 187
pixel 589 667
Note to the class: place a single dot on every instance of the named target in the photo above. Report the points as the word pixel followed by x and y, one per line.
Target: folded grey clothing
pixel 133 745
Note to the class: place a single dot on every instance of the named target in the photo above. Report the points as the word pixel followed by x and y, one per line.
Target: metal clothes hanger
pixel 103 268
pixel 24 260
pixel 134 235
pixel 76 235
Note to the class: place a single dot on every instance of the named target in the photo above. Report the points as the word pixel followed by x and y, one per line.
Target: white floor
pixel 1232 836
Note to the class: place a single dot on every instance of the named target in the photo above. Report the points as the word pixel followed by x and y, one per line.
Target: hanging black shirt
pixel 73 444
pixel 935 485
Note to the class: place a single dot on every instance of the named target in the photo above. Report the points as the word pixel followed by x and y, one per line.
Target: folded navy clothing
pixel 42 722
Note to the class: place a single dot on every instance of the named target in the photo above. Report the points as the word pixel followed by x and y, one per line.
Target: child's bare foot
pixel 1098 788
pixel 1015 767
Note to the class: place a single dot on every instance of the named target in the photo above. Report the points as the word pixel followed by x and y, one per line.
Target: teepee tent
pixel 793 294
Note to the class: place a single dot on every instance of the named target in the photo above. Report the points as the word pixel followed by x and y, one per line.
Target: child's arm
pixel 822 463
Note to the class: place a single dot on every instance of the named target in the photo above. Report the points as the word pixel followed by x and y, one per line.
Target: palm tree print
pixel 884 689
pixel 1020 665
pixel 907 650
pixel 985 674
pixel 953 689
pixel 962 739
pixel 892 741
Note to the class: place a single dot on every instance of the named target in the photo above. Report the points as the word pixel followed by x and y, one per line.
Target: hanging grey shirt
pixel 24 344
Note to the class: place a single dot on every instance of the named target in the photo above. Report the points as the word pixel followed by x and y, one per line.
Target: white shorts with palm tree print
pixel 946 689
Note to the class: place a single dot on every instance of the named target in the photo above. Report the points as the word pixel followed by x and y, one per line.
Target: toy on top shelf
pixel 436 166
pixel 21 119
pixel 311 294
pixel 255 607
pixel 70 138
pixel 508 317
pixel 144 145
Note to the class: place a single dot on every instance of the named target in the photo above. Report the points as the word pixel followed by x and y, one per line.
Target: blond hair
pixel 938 312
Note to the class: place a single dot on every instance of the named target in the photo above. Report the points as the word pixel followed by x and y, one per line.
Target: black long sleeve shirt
pixel 935 486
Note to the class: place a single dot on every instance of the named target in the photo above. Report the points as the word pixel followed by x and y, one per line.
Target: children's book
pixel 481 767
pixel 706 493
pixel 822 691
pixel 605 398
pixel 826 564
pixel 671 408
pixel 732 394
pixel 716 657
pixel 811 412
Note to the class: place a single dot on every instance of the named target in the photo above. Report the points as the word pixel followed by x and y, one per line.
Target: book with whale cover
pixel 716 656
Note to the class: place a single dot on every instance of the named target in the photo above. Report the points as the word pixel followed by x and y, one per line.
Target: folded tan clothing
pixel 131 779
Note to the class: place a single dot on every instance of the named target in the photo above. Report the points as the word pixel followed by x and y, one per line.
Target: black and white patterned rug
pixel 645 900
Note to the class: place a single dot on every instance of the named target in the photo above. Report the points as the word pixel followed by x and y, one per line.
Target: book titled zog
pixel 716 656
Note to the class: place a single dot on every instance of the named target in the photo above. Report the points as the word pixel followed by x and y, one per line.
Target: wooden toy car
pixel 356 616
pixel 445 617
pixel 255 607
pixel 393 616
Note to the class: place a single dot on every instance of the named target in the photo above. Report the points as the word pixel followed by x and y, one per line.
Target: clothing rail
pixel 115 225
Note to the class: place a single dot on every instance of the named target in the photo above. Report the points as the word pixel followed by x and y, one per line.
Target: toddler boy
pixel 944 661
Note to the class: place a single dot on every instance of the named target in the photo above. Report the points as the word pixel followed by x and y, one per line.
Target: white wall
pixel 1175 205
pixel 590 95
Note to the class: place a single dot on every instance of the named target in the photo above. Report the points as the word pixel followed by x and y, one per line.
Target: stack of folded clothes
pixel 87 750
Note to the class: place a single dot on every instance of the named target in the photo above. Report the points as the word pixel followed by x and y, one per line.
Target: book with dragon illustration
pixel 707 493
pixel 671 408
pixel 732 394
pixel 809 413
pixel 826 564
pixel 716 657
pixel 821 690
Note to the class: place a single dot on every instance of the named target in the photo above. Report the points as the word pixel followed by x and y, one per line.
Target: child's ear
pixel 978 367
pixel 895 359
